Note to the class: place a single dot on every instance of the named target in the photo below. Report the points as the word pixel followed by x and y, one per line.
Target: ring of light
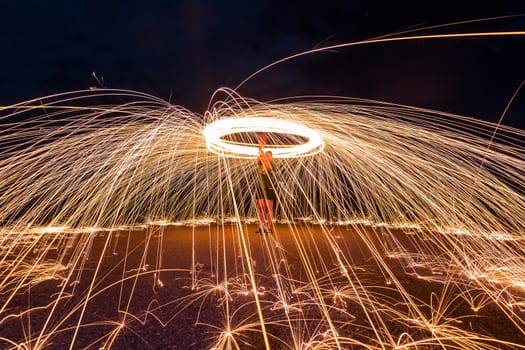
pixel 215 131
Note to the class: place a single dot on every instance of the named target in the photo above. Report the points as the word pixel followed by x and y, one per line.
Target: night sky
pixel 182 51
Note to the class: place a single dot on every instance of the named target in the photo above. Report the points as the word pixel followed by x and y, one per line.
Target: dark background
pixel 182 51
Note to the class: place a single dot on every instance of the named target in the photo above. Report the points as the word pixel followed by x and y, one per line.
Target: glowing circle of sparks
pixel 215 132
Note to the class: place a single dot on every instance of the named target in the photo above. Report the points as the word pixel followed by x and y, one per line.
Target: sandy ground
pixel 143 295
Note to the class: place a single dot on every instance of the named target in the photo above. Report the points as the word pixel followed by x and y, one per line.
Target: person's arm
pixel 261 145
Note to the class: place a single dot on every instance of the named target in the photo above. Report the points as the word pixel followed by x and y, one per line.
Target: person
pixel 266 193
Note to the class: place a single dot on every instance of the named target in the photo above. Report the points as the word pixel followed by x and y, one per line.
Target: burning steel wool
pixel 129 222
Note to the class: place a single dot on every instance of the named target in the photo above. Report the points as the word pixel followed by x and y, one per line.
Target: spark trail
pixel 433 193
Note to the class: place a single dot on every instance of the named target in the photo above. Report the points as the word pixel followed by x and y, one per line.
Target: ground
pixel 143 292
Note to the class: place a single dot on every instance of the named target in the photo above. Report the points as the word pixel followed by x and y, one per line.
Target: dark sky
pixel 184 50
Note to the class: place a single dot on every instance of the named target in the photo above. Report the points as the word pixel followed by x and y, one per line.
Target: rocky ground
pixel 142 294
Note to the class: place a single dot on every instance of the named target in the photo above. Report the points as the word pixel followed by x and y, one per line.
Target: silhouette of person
pixel 265 193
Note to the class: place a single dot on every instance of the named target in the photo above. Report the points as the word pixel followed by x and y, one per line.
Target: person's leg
pixel 269 208
pixel 262 213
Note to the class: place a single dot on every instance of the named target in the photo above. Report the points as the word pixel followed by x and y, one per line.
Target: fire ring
pixel 215 132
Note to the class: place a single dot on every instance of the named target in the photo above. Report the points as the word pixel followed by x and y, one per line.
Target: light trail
pixel 97 203
pixel 216 130
pixel 382 40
